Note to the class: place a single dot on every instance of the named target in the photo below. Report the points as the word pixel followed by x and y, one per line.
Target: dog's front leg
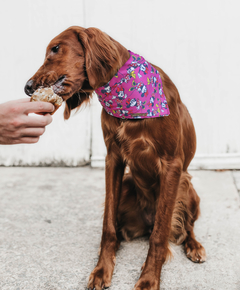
pixel 158 242
pixel 101 276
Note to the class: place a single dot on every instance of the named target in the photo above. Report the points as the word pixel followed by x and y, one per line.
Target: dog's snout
pixel 29 88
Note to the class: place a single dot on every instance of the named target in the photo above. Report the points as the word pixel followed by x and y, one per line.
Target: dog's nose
pixel 29 88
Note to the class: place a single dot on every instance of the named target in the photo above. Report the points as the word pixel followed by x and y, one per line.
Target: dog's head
pixel 77 62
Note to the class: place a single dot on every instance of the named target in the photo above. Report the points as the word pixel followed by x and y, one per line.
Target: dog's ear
pixel 78 99
pixel 102 58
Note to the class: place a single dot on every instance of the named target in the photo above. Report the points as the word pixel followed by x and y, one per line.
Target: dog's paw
pixel 147 284
pixel 100 278
pixel 195 252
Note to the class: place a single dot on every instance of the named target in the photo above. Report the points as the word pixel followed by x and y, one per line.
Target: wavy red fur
pixel 148 188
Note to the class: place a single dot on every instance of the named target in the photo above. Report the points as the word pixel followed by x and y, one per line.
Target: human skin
pixel 17 126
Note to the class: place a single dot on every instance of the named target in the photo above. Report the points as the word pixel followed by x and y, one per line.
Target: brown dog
pixel 156 195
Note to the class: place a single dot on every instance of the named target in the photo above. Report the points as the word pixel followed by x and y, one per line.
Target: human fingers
pixel 15 136
pixel 11 140
pixel 32 132
pixel 39 107
pixel 26 135
pixel 26 140
pixel 37 121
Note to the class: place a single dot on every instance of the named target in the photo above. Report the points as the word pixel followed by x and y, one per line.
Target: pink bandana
pixel 135 92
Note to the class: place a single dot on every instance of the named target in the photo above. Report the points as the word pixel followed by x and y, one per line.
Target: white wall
pixel 26 28
pixel 196 43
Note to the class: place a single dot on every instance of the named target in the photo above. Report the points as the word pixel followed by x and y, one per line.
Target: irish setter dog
pixel 148 188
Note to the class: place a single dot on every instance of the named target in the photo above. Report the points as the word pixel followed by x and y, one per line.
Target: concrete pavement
pixel 50 230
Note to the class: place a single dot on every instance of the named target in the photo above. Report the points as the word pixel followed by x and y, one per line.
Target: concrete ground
pixel 50 230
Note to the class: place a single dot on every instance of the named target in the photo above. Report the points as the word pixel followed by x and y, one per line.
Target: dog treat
pixel 47 95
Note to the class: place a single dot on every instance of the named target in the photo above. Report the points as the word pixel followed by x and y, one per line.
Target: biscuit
pixel 47 95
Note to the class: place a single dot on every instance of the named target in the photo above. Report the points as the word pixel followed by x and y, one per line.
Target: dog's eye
pixel 55 49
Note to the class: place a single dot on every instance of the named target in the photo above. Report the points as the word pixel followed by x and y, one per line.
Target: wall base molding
pixel 98 161
pixel 200 161
pixel 216 161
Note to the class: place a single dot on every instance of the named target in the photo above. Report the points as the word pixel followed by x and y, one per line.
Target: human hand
pixel 16 126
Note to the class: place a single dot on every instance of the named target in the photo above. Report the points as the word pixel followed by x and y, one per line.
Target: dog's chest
pixel 137 147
